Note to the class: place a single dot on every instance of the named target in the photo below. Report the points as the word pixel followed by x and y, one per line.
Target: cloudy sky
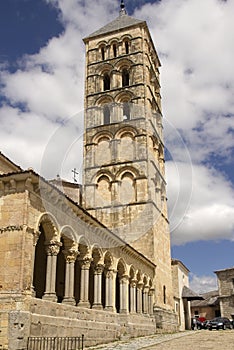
pixel 41 90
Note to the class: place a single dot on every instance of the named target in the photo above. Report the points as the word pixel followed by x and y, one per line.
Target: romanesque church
pixel 94 259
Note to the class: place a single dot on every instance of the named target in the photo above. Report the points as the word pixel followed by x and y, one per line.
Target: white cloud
pixel 203 284
pixel 201 203
pixel 197 77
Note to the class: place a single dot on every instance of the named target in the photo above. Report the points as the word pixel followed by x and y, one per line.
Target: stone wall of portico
pixel 49 319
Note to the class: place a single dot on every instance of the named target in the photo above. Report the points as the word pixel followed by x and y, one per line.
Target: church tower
pixel 123 173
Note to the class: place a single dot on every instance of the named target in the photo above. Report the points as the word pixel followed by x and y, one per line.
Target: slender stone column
pixel 146 300
pixel 70 257
pixel 139 297
pixel 151 301
pixel 36 235
pixel 84 282
pixel 133 296
pixel 52 250
pixel 97 304
pixel 124 297
pixel 110 290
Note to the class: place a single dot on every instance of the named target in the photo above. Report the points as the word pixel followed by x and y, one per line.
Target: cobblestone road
pixel 189 340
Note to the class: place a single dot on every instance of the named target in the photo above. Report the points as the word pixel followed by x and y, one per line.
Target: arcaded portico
pixel 70 269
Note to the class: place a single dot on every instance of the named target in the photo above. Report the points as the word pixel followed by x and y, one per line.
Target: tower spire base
pixel 122 9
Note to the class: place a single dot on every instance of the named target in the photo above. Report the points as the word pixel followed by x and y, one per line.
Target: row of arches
pixel 125 81
pixel 126 113
pixel 71 271
pixel 114 48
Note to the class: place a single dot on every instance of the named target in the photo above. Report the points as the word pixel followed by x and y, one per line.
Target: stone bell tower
pixel 123 172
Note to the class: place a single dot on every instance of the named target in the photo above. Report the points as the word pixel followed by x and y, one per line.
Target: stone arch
pixel 103 135
pixel 114 45
pixel 50 225
pixel 124 96
pixel 48 244
pixel 108 260
pixel 102 50
pixel 107 99
pixel 103 192
pixel 68 232
pixel 126 147
pixel 105 67
pixel 126 40
pixel 123 63
pixel 127 188
pixel 126 131
pixel 105 104
pixel 101 173
pixel 127 169
pixel 121 272
pixel 84 246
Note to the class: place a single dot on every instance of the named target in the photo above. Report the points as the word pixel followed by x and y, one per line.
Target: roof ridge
pixel 120 22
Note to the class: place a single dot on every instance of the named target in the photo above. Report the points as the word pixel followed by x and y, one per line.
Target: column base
pixel 97 307
pixel 124 311
pixel 85 304
pixel 50 297
pixel 69 301
pixel 110 308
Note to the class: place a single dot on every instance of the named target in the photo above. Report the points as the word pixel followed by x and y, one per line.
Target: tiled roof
pixel 188 294
pixel 121 22
pixel 209 299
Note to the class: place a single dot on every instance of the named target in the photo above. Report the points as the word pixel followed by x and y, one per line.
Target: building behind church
pixel 97 263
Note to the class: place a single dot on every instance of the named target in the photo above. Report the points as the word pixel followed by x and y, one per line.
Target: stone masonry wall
pixel 48 319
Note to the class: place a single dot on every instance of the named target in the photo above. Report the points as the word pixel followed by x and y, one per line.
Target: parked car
pixel 198 323
pixel 219 323
pixel 202 324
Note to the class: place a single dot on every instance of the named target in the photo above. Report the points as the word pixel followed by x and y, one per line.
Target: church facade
pixel 100 266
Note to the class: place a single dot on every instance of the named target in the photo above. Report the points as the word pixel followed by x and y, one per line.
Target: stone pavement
pixel 188 340
pixel 142 342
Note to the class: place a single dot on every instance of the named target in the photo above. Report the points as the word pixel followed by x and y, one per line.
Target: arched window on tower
pixel 103 52
pixel 106 82
pixel 125 77
pixel 106 115
pixel 114 50
pixel 126 43
pixel 126 111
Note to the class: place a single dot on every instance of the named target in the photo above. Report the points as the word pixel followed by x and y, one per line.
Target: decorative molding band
pixel 11 228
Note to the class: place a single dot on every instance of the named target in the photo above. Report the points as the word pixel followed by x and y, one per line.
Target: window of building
pixel 125 77
pixel 103 52
pixel 106 82
pixel 126 111
pixel 126 47
pixel 114 50
pixel 106 115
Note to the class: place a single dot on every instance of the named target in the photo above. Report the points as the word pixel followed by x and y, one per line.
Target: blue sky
pixel 41 51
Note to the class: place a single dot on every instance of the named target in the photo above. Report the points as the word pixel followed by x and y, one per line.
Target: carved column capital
pixel 133 283
pixel 98 269
pixel 85 262
pixel 52 247
pixel 70 255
